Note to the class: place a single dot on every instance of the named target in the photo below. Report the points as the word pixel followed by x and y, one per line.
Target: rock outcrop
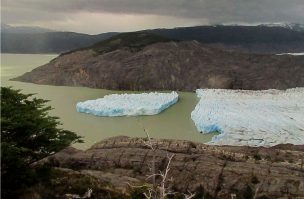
pixel 145 62
pixel 211 171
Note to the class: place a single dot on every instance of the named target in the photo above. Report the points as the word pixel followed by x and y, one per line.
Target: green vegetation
pixel 132 40
pixel 254 179
pixel 138 192
pixel 248 192
pixel 257 156
pixel 28 134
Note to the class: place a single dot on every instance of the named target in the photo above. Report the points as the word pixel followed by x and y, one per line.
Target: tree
pixel 28 134
pixel 160 190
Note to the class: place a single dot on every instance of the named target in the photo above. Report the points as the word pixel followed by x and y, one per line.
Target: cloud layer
pixel 161 12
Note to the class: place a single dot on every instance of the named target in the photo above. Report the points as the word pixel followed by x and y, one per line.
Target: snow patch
pixel 254 118
pixel 294 54
pixel 128 104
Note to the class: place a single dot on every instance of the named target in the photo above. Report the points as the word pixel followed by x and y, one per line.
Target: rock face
pixel 212 171
pixel 161 64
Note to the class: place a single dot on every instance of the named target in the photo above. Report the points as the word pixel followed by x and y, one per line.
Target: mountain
pixel 265 38
pixel 292 26
pixel 145 61
pixel 49 42
pixel 251 39
pixel 23 29
pixel 29 39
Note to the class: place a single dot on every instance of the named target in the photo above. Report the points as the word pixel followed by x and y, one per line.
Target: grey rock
pixel 220 171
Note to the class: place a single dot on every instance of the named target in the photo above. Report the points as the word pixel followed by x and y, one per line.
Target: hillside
pixel 156 63
pixel 254 39
pixel 135 41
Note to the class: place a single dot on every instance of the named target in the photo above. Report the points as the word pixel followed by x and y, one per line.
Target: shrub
pixel 28 134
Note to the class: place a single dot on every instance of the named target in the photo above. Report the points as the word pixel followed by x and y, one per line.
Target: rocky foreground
pixel 122 163
pixel 143 61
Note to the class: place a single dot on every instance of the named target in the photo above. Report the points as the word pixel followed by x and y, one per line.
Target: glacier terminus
pixel 254 118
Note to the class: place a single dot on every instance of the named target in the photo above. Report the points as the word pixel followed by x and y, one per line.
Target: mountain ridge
pixel 50 42
pixel 5 28
pixel 251 39
pixel 170 65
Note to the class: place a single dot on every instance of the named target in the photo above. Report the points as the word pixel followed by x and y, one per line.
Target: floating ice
pixel 128 104
pixel 255 118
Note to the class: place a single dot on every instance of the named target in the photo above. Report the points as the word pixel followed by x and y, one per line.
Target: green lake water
pixel 173 123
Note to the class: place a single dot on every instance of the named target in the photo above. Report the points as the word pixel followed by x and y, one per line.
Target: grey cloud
pixel 218 11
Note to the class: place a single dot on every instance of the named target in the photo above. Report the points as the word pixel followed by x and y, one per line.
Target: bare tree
pixel 159 190
pixel 86 195
pixel 189 196
pixel 149 144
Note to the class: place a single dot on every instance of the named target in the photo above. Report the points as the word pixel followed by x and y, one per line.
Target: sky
pixel 98 16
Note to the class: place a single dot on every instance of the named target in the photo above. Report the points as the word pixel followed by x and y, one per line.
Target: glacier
pixel 252 118
pixel 128 104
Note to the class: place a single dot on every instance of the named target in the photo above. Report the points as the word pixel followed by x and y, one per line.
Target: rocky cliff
pixel 209 171
pixel 141 61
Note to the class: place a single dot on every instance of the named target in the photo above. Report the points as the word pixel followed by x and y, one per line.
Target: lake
pixel 173 123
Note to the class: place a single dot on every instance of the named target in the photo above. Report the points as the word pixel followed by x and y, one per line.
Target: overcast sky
pixel 97 16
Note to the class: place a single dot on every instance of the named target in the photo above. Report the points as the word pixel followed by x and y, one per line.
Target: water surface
pixel 173 123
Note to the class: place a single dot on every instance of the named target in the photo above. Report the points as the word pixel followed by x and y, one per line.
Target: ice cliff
pixel 255 118
pixel 128 104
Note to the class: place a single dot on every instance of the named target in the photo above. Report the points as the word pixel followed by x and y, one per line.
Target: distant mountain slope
pixel 50 42
pixel 233 34
pixel 256 39
pixel 23 29
pixel 292 26
pixel 155 63
pixel 266 38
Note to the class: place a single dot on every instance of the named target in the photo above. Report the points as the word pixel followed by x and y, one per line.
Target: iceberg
pixel 128 104
pixel 253 118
